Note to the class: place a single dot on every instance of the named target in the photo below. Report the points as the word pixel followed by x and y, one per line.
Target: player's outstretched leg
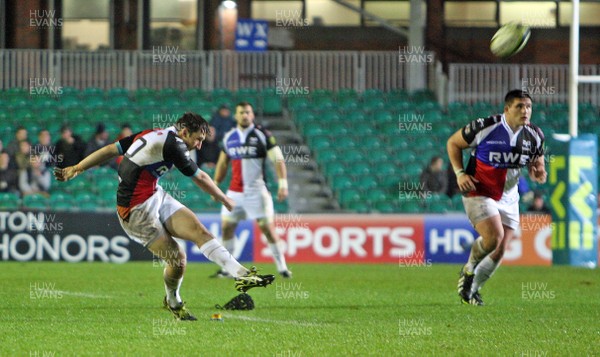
pixel 185 224
pixel 228 241
pixel 174 257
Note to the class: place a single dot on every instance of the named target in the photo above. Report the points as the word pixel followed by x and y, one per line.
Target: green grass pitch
pixel 62 309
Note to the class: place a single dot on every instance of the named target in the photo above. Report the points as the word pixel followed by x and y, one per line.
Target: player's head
pixel 244 114
pixel 517 107
pixel 192 129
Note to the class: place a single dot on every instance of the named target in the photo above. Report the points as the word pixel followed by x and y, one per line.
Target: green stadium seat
pixel 272 104
pixel 359 207
pixel 367 182
pixel 61 202
pixel 9 201
pixel 327 156
pixel 296 104
pixel 335 168
pixel 377 195
pixel 383 116
pixel 346 93
pixel 341 182
pixel 350 156
pixel 372 93
pixel 373 104
pixel 385 207
pixel 117 92
pixel 312 130
pixel 360 168
pixel 35 201
pixel 410 206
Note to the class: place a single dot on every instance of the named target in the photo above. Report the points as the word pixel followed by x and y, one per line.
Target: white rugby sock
pixel 278 257
pixel 215 252
pixel 483 272
pixel 172 286
pixel 476 255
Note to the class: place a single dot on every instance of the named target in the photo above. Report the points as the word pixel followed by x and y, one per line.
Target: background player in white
pixel 246 147
pixel 501 145
pixel 151 216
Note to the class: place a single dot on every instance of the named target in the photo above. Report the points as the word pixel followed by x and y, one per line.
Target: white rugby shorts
pixel 479 208
pixel 254 204
pixel 146 220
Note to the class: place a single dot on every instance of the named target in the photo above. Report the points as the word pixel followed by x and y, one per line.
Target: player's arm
pixel 221 167
pixel 96 158
pixel 276 156
pixel 176 152
pixel 455 145
pixel 203 180
pixel 537 170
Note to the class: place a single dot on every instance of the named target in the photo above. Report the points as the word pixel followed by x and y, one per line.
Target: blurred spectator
pixel 44 148
pixel 209 152
pixel 13 147
pixel 23 156
pixel 223 121
pixel 452 183
pixel 125 132
pixel 36 178
pixel 70 149
pixel 433 177
pixel 1 146
pixel 538 205
pixel 99 140
pixel 8 176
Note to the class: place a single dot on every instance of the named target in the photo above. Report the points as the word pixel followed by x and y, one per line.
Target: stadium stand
pixel 364 144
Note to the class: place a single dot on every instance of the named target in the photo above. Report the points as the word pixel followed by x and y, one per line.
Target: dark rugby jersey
pixel 149 155
pixel 498 153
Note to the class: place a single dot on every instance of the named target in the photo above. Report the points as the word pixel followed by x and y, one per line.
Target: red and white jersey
pixel 149 155
pixel 247 150
pixel 499 154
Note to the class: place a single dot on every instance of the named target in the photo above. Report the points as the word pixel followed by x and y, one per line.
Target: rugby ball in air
pixel 509 39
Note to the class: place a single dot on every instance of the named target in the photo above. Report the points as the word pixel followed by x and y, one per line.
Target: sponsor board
pixel 347 239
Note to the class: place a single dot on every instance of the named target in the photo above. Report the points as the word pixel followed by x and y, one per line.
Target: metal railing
pixel 168 67
pixel 547 84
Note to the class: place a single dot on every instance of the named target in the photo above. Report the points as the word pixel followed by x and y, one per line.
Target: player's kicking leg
pixel 174 257
pixel 228 239
pixel 185 225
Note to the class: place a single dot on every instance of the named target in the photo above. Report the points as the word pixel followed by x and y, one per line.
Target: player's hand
pixel 228 203
pixel 538 173
pixel 282 194
pixel 67 173
pixel 466 183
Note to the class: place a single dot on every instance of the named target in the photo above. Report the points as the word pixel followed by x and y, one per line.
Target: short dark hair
pixel 244 104
pixel 514 94
pixel 193 122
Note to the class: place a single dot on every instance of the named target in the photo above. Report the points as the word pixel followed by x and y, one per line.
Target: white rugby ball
pixel 509 39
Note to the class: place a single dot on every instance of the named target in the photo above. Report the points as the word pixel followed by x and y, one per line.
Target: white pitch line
pixel 78 294
pixel 260 319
